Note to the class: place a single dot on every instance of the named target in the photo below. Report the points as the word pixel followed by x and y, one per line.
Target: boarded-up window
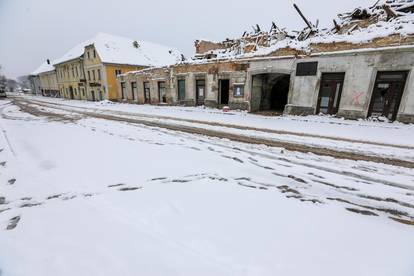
pixel 306 69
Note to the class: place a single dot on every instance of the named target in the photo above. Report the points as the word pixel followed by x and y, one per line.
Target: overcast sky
pixel 33 30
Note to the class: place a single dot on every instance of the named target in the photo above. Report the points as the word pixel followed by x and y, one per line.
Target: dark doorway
pixel 181 90
pixel 279 93
pixel 387 94
pixel 162 92
pixel 147 92
pixel 134 90
pixel 123 91
pixel 200 92
pixel 270 92
pixel 330 93
pixel 93 95
pixel 72 96
pixel 224 86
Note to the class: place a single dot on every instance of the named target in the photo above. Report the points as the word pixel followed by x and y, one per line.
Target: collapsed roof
pixel 383 24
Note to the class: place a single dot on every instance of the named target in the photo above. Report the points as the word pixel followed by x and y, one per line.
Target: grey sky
pixel 33 30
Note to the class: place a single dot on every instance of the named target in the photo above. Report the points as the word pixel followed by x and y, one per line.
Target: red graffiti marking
pixel 356 97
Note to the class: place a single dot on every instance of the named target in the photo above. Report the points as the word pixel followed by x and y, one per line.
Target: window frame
pixel 242 87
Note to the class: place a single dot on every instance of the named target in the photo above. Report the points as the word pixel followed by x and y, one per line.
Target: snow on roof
pixel 74 53
pixel 122 50
pixel 45 67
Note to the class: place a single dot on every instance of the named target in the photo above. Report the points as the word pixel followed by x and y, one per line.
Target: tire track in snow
pixel 29 106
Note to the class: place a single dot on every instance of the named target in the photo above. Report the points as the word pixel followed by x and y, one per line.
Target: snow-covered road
pixel 215 126
pixel 87 196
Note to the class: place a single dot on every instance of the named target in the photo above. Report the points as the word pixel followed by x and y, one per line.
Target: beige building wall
pixel 48 81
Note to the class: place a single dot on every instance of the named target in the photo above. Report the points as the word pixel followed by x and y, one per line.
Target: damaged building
pixel 360 67
pixel 214 84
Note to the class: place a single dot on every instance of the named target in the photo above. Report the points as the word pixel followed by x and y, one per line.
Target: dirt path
pixel 32 107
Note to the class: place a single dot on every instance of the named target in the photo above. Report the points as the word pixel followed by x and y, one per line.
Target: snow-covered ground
pixel 363 130
pixel 373 139
pixel 87 196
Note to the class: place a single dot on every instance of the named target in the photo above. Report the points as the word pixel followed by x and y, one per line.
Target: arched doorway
pixel 270 92
pixel 279 93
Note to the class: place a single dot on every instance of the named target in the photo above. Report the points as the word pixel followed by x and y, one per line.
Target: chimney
pixel 48 61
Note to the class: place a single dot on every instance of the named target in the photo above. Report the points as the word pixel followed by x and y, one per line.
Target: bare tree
pixel 3 79
pixel 24 81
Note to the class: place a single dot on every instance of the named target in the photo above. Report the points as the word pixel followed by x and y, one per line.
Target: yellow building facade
pixel 71 79
pixel 102 77
pixel 89 70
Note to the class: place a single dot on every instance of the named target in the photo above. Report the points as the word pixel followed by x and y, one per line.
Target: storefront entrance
pixel 387 94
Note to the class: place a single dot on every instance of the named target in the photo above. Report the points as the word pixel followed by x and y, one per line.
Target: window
pixel 76 71
pixel 118 72
pixel 94 54
pixel 162 92
pixel 238 90
pixel 93 74
pixel 147 92
pixel 88 55
pixel 73 72
pixel 99 74
pixel 89 75
pixel 123 90
pixel 134 90
pixel 83 92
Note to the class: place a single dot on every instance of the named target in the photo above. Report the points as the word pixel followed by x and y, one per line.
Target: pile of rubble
pixel 386 23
